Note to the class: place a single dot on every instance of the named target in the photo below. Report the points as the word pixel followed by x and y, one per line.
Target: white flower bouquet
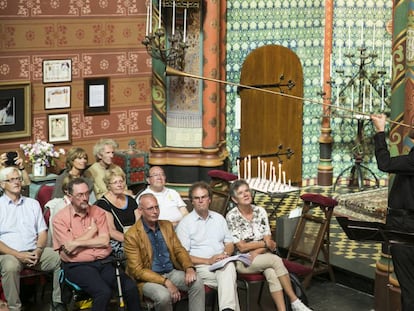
pixel 41 152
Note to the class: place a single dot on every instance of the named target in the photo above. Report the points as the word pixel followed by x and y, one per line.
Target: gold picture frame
pixel 15 110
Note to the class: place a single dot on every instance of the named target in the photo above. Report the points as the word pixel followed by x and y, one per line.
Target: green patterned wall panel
pixel 298 25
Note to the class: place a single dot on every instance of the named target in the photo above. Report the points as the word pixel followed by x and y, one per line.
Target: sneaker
pixel 298 305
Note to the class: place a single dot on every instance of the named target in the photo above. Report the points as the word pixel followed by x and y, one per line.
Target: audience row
pixel 168 250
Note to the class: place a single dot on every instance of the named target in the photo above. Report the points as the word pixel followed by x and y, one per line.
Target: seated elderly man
pixel 172 206
pixel 23 236
pixel 80 232
pixel 205 235
pixel 158 262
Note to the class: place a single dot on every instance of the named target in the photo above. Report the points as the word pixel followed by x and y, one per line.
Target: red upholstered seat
pixel 251 277
pixel 296 268
pixel 223 175
pixel 319 199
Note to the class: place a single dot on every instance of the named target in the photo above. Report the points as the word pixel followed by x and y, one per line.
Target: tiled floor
pixel 323 295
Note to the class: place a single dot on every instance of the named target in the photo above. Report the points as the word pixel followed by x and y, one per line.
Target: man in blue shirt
pixel 23 237
pixel 206 237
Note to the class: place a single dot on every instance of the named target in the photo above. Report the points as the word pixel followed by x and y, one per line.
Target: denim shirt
pixel 161 262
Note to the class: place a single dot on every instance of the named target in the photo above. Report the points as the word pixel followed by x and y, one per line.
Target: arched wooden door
pixel 269 120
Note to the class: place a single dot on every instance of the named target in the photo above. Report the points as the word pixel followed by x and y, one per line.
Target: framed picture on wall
pixel 15 110
pixel 59 128
pixel 96 92
pixel 57 70
pixel 57 97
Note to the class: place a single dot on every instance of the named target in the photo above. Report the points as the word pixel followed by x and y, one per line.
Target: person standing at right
pixel 400 207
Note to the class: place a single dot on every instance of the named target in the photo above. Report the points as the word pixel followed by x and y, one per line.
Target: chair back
pixel 44 195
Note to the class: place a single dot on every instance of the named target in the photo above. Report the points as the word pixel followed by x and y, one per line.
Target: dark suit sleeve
pixel 402 164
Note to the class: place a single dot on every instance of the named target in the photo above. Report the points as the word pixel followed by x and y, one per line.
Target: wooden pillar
pixel 325 168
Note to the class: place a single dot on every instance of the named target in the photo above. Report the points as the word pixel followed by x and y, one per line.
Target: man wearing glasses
pixel 158 262
pixel 206 237
pixel 172 206
pixel 81 234
pixel 23 237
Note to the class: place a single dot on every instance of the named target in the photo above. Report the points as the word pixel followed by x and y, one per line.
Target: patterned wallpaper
pixel 103 39
pixel 299 25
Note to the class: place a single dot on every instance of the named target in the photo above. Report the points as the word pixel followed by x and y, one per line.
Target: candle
pixel 363 98
pixel 383 51
pixel 265 170
pixel 362 33
pixel 382 97
pixel 370 98
pixel 245 168
pixel 173 19
pixel 280 171
pixel 349 38
pixel 185 24
pixel 147 22
pixel 352 97
pixel 249 168
pixel 274 174
pixel 238 168
pixel 284 177
pixel 290 184
pixel 258 167
pixel 150 20
pixel 159 12
pixel 373 39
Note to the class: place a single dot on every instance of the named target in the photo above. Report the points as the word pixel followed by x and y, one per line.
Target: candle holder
pixel 168 47
pixel 357 96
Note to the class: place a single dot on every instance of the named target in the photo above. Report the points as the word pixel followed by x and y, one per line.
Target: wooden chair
pixel 220 185
pixel 312 236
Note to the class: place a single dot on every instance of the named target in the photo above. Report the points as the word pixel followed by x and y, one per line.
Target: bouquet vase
pixel 38 170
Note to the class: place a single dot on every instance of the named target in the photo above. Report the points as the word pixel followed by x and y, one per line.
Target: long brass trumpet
pixel 169 71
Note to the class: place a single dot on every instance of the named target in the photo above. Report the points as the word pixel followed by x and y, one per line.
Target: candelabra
pixel 168 44
pixel 359 95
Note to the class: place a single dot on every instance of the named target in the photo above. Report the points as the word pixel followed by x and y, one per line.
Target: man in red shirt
pixel 81 234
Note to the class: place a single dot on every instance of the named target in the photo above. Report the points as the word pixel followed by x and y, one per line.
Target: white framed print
pixel 57 97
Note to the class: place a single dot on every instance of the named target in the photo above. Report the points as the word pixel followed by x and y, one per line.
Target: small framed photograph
pixel 15 110
pixel 57 70
pixel 57 97
pixel 96 96
pixel 59 128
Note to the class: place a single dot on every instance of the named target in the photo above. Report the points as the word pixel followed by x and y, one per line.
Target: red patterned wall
pixel 103 39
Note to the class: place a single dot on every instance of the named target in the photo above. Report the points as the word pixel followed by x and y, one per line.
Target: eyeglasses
pixel 202 198
pixel 14 180
pixel 117 182
pixel 80 196
pixel 152 208
pixel 157 175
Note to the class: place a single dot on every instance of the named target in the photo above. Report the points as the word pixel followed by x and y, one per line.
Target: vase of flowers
pixel 41 154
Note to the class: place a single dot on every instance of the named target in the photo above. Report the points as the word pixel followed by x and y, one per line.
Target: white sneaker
pixel 298 305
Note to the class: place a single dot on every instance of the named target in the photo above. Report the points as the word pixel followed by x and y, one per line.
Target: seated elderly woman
pixel 121 209
pixel 251 234
pixel 76 164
